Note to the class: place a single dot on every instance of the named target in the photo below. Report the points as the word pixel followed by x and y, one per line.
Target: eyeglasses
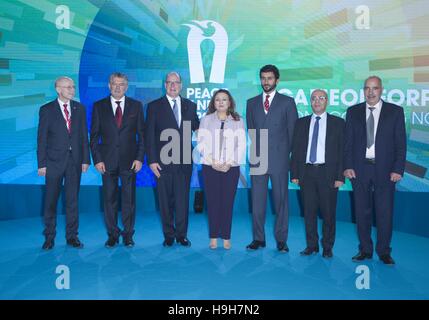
pixel 67 87
pixel 170 83
pixel 321 98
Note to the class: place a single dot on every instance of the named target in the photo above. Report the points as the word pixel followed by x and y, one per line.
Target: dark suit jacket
pixel 334 147
pixel 54 141
pixel 160 116
pixel 117 148
pixel 280 122
pixel 390 141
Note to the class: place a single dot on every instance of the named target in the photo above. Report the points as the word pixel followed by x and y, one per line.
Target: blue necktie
pixel 313 148
pixel 176 112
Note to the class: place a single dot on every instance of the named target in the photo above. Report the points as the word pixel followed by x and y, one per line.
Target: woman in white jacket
pixel 222 145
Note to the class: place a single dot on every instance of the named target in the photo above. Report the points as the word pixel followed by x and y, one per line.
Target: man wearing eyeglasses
pixel 374 160
pixel 62 154
pixel 169 125
pixel 317 167
pixel 118 152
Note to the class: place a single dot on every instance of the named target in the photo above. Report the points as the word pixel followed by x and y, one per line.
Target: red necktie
pixel 267 103
pixel 68 120
pixel 118 114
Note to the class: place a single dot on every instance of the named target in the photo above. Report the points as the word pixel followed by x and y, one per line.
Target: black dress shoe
pixel 360 256
pixel 387 259
pixel 111 242
pixel 282 246
pixel 309 251
pixel 184 242
pixel 168 242
pixel 255 245
pixel 129 242
pixel 327 253
pixel 48 244
pixel 75 243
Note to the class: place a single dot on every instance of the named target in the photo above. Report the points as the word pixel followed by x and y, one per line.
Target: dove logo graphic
pixel 200 31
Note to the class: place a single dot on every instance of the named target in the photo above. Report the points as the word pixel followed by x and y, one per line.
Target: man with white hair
pixel 62 154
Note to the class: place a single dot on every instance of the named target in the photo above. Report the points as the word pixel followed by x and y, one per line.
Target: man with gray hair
pixel 374 161
pixel 169 125
pixel 118 152
pixel 62 154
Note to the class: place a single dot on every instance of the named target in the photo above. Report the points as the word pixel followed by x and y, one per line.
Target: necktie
pixel 313 148
pixel 68 120
pixel 118 114
pixel 370 129
pixel 267 103
pixel 176 112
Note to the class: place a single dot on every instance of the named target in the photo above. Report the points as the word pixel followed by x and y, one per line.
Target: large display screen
pixel 333 45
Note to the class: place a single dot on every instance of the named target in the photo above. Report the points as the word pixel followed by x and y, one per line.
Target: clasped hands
pixel 220 166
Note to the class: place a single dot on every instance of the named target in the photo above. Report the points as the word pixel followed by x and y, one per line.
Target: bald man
pixel 317 167
pixel 62 154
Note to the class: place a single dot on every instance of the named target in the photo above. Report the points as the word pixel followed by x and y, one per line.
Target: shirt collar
pixel 114 100
pixel 170 99
pixel 272 94
pixel 62 103
pixel 377 106
pixel 322 116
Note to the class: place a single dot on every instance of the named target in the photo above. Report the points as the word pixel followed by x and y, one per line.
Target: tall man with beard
pixel 277 114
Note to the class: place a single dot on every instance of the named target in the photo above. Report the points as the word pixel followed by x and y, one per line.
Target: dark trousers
pixel 317 194
pixel 370 194
pixel 111 200
pixel 220 189
pixel 279 183
pixel 173 196
pixel 71 177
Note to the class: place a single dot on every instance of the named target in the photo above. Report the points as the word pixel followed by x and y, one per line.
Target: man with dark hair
pixel 375 151
pixel 169 158
pixel 118 152
pixel 62 154
pixel 275 113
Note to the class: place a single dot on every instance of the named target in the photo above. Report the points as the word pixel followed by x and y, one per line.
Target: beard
pixel 269 88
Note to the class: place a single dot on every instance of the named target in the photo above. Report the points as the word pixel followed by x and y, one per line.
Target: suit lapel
pixel 169 111
pixel 183 110
pixel 108 111
pixel 382 119
pixel 59 115
pixel 260 112
pixel 126 114
pixel 74 112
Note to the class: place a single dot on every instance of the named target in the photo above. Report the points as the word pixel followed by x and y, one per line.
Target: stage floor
pixel 150 271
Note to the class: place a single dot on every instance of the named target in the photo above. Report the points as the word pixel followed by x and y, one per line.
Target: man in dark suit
pixel 169 125
pixel 62 153
pixel 317 167
pixel 275 113
pixel 118 152
pixel 375 151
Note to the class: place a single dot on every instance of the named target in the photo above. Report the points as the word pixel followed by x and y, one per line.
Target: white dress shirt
pixel 370 153
pixel 114 105
pixel 62 109
pixel 178 105
pixel 270 99
pixel 321 138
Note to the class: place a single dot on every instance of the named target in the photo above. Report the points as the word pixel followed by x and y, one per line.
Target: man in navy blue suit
pixel 169 125
pixel 62 154
pixel 118 152
pixel 375 150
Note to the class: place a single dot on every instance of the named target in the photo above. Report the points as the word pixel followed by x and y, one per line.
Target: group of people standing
pixel 318 151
